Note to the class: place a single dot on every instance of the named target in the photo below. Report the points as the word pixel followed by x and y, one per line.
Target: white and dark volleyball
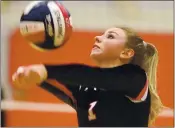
pixel 46 24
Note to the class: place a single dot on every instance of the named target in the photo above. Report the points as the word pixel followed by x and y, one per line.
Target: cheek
pixel 113 48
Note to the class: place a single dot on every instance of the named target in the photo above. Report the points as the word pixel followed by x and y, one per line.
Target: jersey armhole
pixel 141 96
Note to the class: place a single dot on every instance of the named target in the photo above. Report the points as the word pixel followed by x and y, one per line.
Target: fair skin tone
pixel 109 49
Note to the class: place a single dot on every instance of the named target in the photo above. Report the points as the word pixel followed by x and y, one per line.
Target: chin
pixel 95 56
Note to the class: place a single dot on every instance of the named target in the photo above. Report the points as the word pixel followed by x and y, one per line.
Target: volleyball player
pixel 120 91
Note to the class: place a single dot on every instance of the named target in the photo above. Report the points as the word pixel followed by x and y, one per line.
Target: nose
pixel 98 39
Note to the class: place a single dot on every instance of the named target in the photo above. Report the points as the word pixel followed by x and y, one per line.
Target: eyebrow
pixel 113 32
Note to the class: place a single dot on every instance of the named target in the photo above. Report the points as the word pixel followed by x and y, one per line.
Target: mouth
pixel 96 46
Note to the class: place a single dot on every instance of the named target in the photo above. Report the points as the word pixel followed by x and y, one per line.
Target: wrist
pixel 41 70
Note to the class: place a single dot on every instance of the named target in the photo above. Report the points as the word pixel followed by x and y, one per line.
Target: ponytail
pixel 150 66
pixel 146 56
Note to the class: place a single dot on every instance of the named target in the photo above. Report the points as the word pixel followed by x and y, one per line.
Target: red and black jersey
pixel 117 97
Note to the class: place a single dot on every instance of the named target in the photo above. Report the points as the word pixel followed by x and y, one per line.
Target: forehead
pixel 119 31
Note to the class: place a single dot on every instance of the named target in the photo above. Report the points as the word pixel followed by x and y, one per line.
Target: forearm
pixel 77 74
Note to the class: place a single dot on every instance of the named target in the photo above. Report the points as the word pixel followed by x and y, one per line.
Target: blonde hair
pixel 151 63
pixel 146 56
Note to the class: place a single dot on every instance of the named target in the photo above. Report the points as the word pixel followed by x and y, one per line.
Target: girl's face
pixel 109 46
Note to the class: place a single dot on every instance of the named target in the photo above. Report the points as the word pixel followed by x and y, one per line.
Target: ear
pixel 127 53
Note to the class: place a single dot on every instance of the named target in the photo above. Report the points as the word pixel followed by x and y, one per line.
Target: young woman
pixel 121 91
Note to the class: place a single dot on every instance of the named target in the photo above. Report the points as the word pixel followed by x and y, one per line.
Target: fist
pixel 25 77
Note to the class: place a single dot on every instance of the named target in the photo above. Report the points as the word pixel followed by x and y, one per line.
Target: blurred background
pixel 35 107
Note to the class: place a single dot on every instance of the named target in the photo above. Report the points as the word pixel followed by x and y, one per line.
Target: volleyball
pixel 46 25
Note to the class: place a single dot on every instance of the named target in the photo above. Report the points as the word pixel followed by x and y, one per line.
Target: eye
pixel 110 36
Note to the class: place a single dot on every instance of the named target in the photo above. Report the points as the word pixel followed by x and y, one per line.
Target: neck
pixel 109 64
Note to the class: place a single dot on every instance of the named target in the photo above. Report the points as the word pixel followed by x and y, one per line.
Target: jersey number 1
pixel 91 115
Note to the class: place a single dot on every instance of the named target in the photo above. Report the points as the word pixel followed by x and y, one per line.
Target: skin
pixel 110 49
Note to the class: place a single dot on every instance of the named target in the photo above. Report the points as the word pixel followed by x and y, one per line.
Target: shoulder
pixel 125 70
pixel 130 69
pixel 133 73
